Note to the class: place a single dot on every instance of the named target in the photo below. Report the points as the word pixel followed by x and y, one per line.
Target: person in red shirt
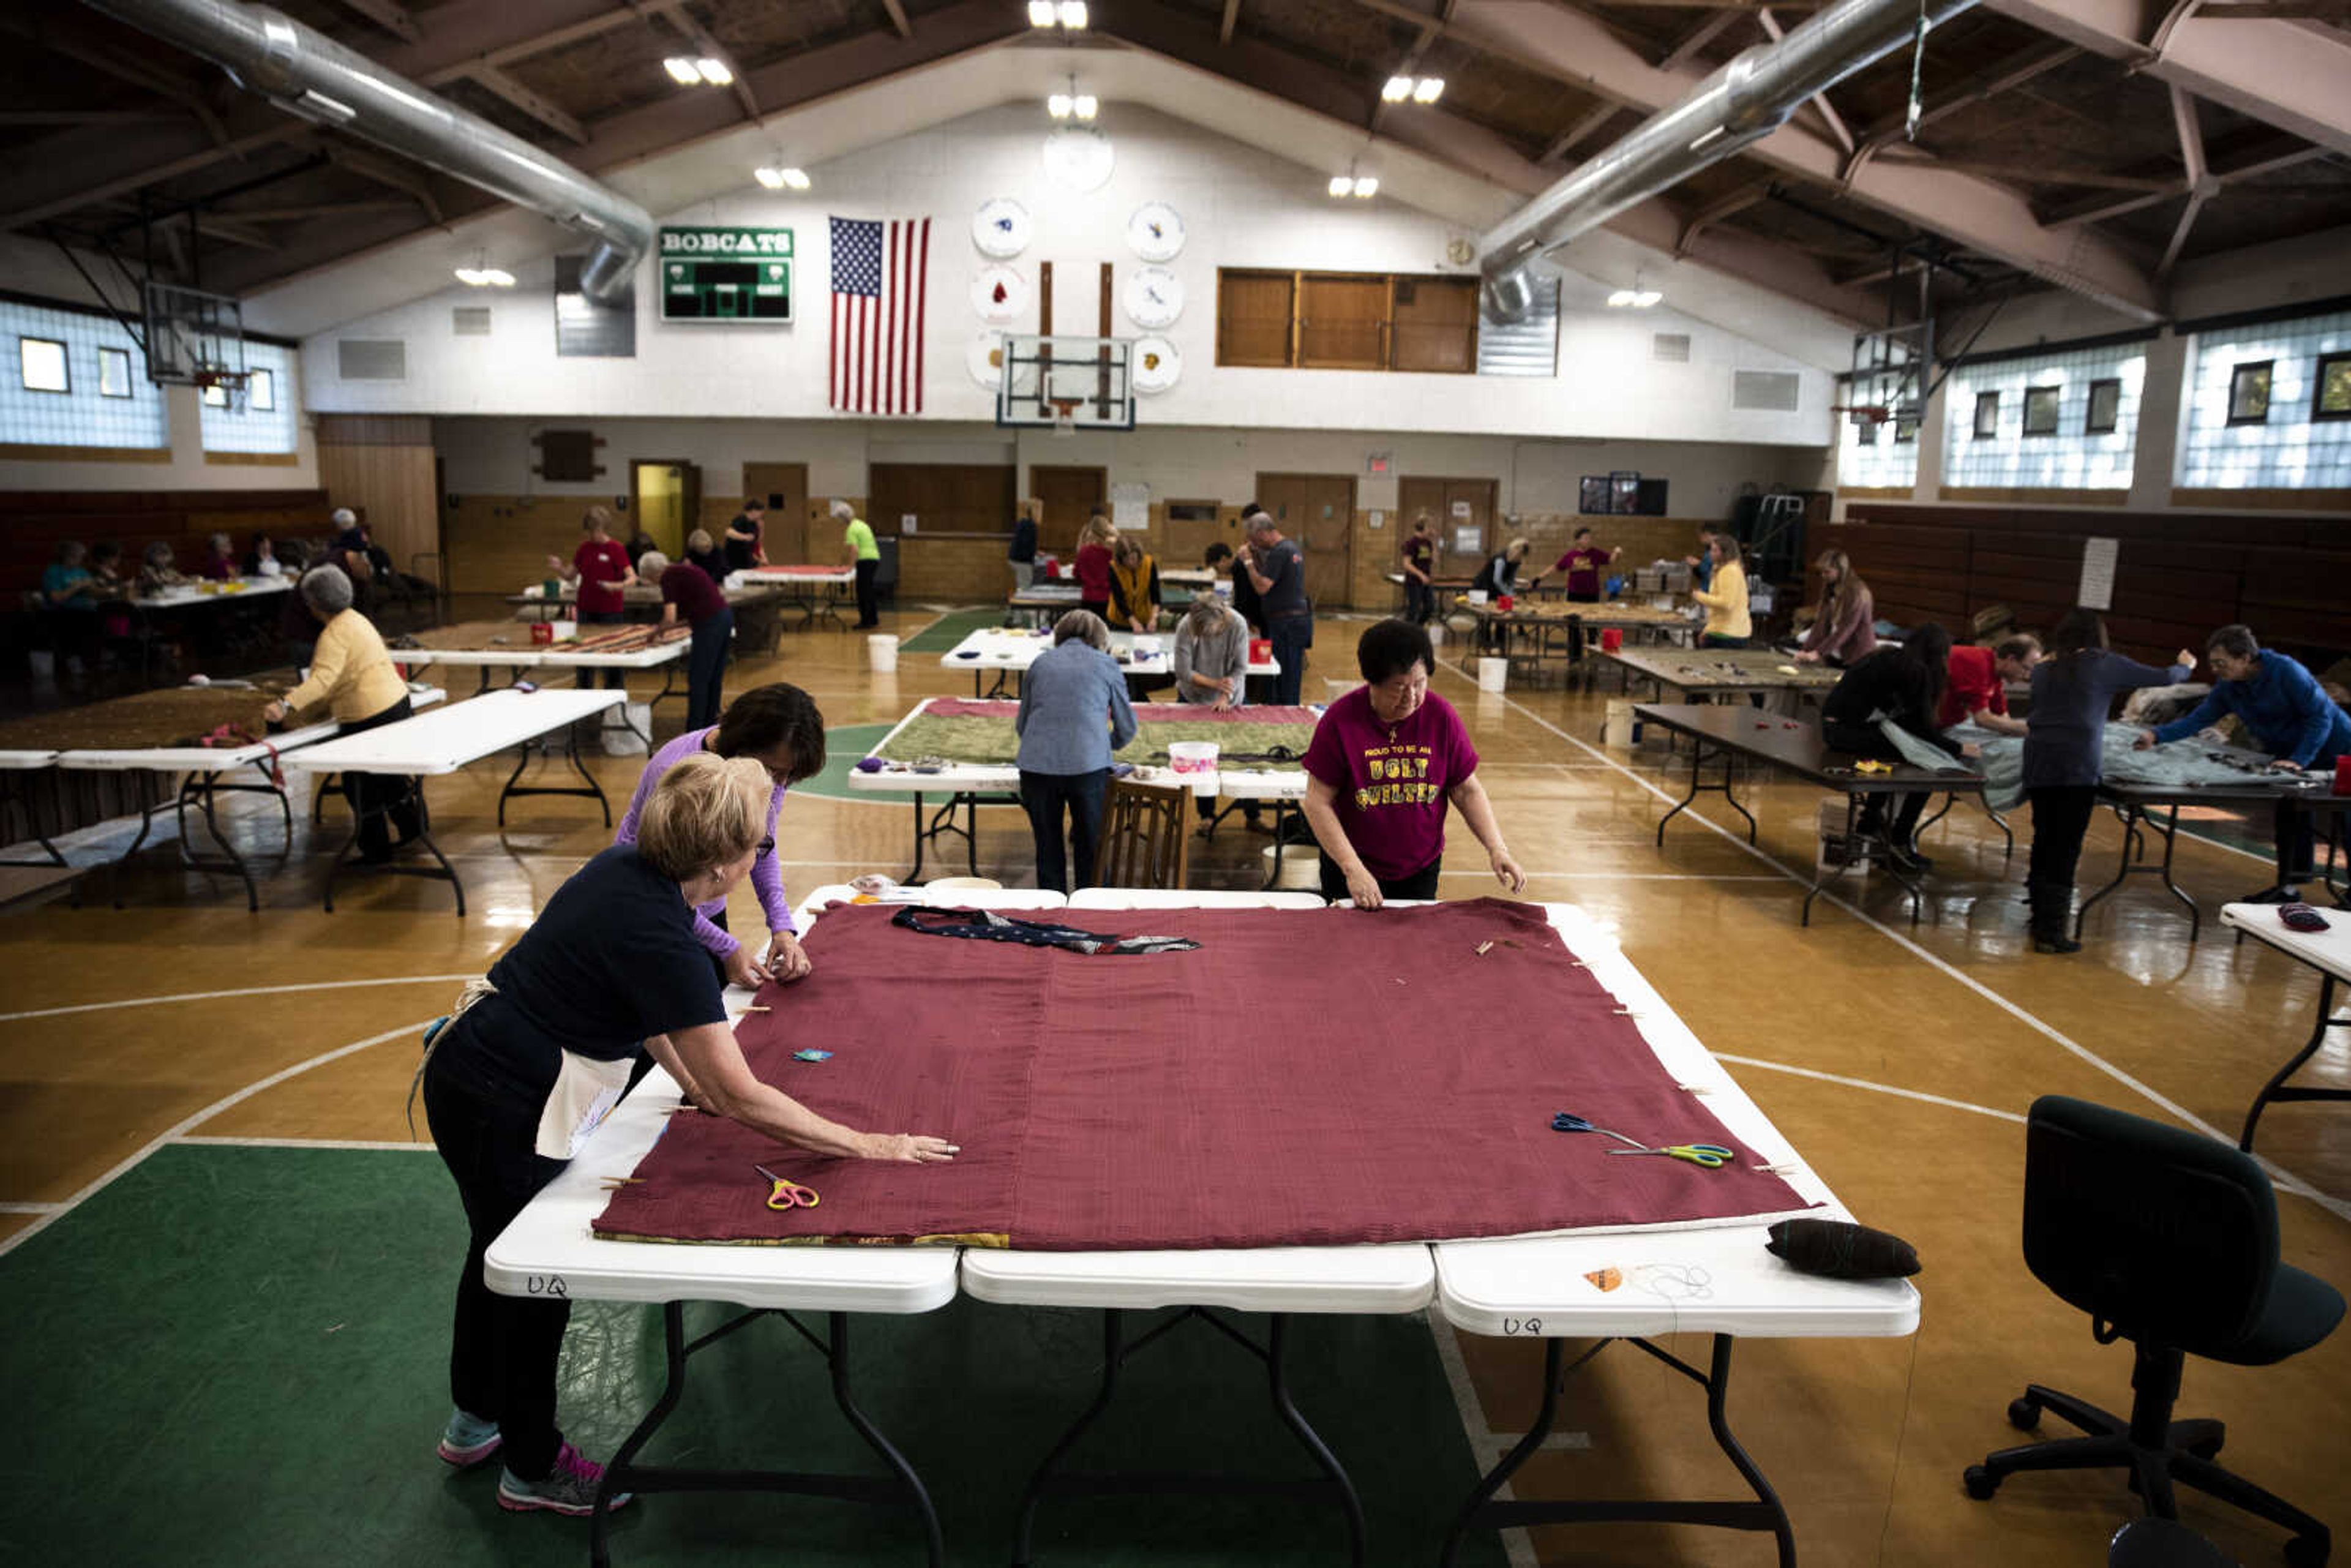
pixel 1093 565
pixel 601 567
pixel 1978 689
pixel 1582 563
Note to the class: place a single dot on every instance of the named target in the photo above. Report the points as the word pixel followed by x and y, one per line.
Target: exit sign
pixel 723 275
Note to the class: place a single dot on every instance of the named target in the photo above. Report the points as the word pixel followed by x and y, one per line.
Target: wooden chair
pixel 1144 836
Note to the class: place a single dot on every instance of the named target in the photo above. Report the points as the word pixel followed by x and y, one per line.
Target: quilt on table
pixel 2185 762
pixel 1397 1085
pixel 982 732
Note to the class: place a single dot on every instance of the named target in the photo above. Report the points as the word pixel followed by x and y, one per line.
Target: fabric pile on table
pixel 172 716
pixel 624 639
pixel 2181 763
pixel 1400 1088
pixel 957 730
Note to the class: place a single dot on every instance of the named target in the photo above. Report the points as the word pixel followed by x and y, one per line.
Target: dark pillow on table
pixel 1840 1251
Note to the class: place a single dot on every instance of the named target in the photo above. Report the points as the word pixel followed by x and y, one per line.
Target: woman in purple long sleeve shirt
pixel 779 725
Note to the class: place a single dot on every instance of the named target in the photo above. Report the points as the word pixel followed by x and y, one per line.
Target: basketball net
pixel 1064 416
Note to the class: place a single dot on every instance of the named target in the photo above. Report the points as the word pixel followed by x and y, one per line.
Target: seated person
pixel 162 572
pixel 262 560
pixel 1903 685
pixel 1977 692
pixel 220 559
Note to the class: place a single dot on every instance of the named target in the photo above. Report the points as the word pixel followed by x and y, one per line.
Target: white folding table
pixel 1000 651
pixel 562 654
pixel 434 743
pixel 2329 953
pixel 193 595
pixel 1715 1279
pixel 814 590
pixel 16 763
pixel 551 1250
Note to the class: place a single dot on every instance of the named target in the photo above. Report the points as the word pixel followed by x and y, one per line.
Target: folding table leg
pixel 2275 1091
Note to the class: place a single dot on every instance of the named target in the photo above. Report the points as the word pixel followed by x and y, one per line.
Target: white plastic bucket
pixel 1192 756
pixel 625 729
pixel 1477 596
pixel 1301 869
pixel 1620 729
pixel 882 653
pixel 1436 633
pixel 1493 675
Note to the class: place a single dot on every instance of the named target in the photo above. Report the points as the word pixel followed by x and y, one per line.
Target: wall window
pixel 259 420
pixel 2249 393
pixel 41 365
pixel 96 393
pixel 2075 428
pixel 2294 445
pixel 1873 455
pixel 1346 321
pixel 1906 431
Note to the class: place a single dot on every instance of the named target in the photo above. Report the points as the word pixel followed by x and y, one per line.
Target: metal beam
pixel 1818 101
pixel 2278 155
pixel 1585 124
pixel 2281 72
pixel 1232 15
pixel 1967 92
pixel 1706 217
pixel 60 184
pixel 898 18
pixel 316 210
pixel 1976 213
pixel 2200 185
pixel 2032 173
pixel 13 117
pixel 393 176
pixel 187 94
pixel 516 93
pixel 389 15
pixel 1686 47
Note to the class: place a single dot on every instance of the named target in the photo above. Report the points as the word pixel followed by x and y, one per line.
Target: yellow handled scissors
pixel 787 1195
pixel 1711 1156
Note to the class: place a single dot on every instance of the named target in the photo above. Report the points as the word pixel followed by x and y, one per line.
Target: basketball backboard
pixel 194 338
pixel 1066 382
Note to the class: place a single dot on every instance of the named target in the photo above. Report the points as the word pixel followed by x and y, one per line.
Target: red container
pixel 2343 776
pixel 1260 650
pixel 542 632
pixel 1611 638
pixel 1503 604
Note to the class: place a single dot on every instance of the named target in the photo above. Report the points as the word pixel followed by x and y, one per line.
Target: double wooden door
pixel 1068 496
pixel 1455 505
pixel 1317 511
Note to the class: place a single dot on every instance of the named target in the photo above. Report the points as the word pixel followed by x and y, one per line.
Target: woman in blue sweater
pixel 2074 693
pixel 1073 715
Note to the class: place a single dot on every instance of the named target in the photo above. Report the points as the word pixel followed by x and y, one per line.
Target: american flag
pixel 881 273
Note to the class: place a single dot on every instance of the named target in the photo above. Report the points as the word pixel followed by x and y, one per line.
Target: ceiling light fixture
pixel 1430 89
pixel 1341 183
pixel 1419 90
pixel 1351 183
pixel 682 71
pixel 1398 90
pixel 1367 185
pixel 1059 105
pixel 1041 13
pixel 482 275
pixel 1071 14
pixel 1636 298
pixel 714 71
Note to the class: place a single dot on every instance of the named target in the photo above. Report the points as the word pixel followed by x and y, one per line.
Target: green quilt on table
pixel 990 742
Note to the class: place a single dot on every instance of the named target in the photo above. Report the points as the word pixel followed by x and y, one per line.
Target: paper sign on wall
pixel 2097 589
pixel 1468 541
pixel 1130 506
pixel 1460 508
pixel 1379 519
pixel 908 522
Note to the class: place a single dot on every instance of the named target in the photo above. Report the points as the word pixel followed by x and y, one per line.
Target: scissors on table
pixel 787 1193
pixel 1711 1156
pixel 1569 1122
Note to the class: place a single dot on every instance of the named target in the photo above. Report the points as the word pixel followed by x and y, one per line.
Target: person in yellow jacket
pixel 352 674
pixel 1725 597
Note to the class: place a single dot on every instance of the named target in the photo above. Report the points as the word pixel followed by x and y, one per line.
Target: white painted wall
pixel 1243 207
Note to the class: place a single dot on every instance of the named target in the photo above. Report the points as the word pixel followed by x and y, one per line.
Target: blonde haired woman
pixel 1845 623
pixel 541 1049
pixel 1724 596
pixel 1134 598
pixel 1093 565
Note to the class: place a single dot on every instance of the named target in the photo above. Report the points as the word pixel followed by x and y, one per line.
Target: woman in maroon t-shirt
pixel 1093 565
pixel 687 591
pixel 1384 762
pixel 601 567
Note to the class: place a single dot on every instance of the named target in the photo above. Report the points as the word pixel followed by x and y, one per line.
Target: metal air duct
pixel 307 74
pixel 1738 105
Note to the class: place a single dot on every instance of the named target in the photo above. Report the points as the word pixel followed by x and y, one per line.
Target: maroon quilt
pixel 1145 713
pixel 1306 1077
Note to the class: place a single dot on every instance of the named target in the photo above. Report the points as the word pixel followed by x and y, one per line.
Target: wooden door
pixel 1454 504
pixel 1069 496
pixel 1317 511
pixel 784 488
pixel 1191 526
pixel 942 497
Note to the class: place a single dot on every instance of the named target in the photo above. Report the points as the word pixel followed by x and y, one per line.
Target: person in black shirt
pixel 701 551
pixel 743 551
pixel 541 1049
pixel 1904 685
pixel 1022 554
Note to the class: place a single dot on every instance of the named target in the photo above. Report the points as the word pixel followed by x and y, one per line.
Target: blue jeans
pixel 1290 636
pixel 1044 796
pixel 706 669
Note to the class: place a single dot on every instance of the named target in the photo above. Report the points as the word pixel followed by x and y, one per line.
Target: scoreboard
pixel 726 274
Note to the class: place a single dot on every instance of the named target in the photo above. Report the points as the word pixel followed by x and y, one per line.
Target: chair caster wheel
pixel 2024 1414
pixel 1980 1482
pixel 2207 1451
pixel 2308 1551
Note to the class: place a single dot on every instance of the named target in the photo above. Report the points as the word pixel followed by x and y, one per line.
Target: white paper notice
pixel 1130 506
pixel 2097 589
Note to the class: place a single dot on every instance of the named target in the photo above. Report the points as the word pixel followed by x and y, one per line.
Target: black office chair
pixel 2169 1239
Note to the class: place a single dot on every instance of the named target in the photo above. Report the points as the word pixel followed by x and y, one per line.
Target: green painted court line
pixel 237 1356
pixel 941 635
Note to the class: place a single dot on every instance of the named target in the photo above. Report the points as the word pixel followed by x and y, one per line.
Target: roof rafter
pixel 517 94
pixel 389 15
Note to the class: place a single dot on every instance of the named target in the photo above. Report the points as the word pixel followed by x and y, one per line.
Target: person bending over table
pixel 1582 563
pixel 1277 573
pixel 1134 598
pixel 2073 691
pixel 1500 575
pixel 1418 561
pixel 537 1050
pixel 1384 761
pixel 1845 623
pixel 1904 685
pixel 691 593
pixel 779 728
pixel 1211 672
pixel 1977 691
pixel 2286 713
pixel 703 554
pixel 351 672
pixel 601 567
pixel 1091 565
pixel 1073 715
pixel 1724 594
pixel 744 550
pixel 862 554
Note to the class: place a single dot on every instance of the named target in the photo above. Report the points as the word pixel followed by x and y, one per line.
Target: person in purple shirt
pixel 778 725
pixel 1385 761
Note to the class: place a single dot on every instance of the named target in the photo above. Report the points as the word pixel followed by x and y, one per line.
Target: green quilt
pixel 991 742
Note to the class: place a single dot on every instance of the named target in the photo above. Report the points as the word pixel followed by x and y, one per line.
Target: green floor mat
pixel 237 1356
pixel 943 634
pixel 843 745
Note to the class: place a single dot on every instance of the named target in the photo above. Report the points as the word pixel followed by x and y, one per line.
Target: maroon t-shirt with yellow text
pixel 1391 780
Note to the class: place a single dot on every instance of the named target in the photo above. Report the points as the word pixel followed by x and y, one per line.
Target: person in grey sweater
pixel 1073 715
pixel 1211 667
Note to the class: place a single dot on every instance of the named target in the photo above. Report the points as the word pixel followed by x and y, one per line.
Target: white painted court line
pixel 30 1207
pixel 1866 1083
pixel 244 992
pixel 1516 1544
pixel 199 1140
pixel 2286 1180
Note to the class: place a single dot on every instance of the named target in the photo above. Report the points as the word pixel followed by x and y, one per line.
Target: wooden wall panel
pixel 393 488
pixel 952 569
pixel 496 544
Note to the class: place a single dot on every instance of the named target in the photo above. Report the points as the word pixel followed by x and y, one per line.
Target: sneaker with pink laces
pixel 569 1488
pixel 467 1441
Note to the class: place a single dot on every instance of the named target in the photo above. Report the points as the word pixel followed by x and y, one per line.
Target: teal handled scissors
pixel 1711 1156
pixel 787 1193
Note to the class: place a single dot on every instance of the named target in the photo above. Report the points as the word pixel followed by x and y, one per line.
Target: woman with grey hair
pixel 1211 668
pixel 220 559
pixel 689 595
pixel 1073 715
pixel 860 552
pixel 352 674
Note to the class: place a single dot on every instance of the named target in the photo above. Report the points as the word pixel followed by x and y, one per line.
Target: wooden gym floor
pixel 1899 1061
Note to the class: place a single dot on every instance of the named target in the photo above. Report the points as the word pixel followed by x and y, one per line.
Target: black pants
pixel 381 802
pixel 1419 603
pixel 614 680
pixel 1045 796
pixel 705 666
pixel 869 601
pixel 1864 740
pixel 1290 636
pixel 1421 884
pixel 2060 818
pixel 1205 806
pixel 503 1350
pixel 2297 845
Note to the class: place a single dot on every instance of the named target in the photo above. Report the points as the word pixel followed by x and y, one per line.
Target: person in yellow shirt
pixel 1725 597
pixel 352 674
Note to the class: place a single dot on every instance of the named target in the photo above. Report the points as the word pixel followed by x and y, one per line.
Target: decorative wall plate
pixel 1157 365
pixel 984 358
pixel 1078 156
pixel 1001 227
pixel 1000 293
pixel 1157 232
pixel 1154 298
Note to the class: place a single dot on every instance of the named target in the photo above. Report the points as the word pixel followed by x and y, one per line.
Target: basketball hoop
pixel 1065 411
pixel 1864 413
pixel 231 382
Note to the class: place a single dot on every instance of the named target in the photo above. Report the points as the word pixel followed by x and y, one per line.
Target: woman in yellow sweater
pixel 352 674
pixel 1725 597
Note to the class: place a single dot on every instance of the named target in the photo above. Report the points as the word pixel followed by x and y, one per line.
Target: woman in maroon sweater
pixel 1844 623
pixel 1093 565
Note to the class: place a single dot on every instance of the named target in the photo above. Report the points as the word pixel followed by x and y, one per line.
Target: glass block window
pixel 1872 456
pixel 2296 444
pixel 2066 421
pixel 106 399
pixel 263 419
